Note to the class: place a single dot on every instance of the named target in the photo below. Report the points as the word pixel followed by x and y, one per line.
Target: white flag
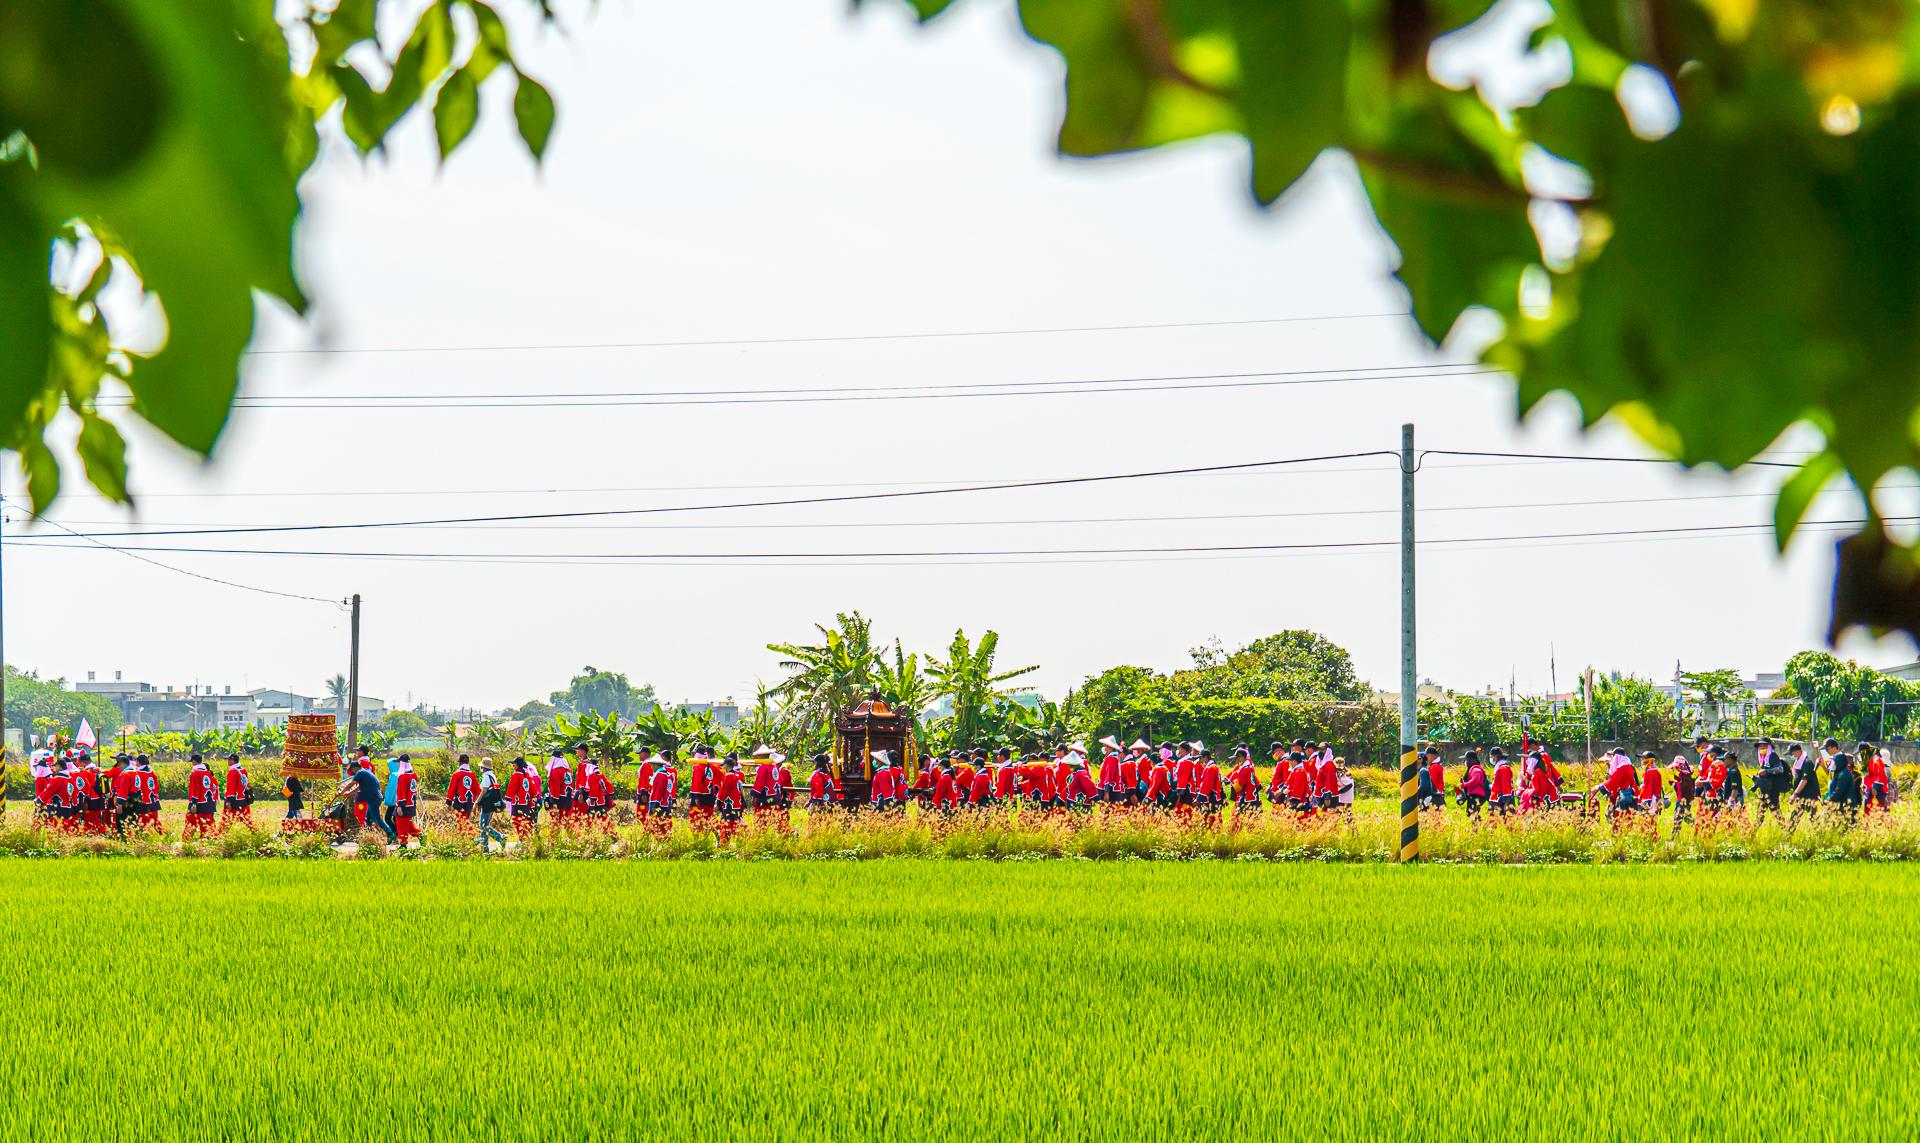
pixel 84 737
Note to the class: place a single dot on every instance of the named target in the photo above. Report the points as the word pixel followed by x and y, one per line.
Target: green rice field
pixel 910 999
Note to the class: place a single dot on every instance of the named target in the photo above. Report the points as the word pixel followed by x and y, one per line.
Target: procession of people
pixel 1185 780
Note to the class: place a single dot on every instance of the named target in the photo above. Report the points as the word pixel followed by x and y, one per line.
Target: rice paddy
pixel 573 1000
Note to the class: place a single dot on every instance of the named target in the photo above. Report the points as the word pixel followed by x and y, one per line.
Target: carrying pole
pixel 1409 675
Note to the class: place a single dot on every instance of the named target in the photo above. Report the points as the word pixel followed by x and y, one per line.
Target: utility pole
pixel 353 683
pixel 1409 675
pixel 3 659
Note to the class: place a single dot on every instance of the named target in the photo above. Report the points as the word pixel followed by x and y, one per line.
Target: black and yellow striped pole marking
pixel 1409 803
pixel 1409 674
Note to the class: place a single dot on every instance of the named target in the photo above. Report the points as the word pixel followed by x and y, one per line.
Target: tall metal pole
pixel 353 684
pixel 1409 675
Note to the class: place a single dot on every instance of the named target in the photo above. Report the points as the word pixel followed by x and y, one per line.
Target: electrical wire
pixel 883 393
pixel 649 557
pixel 323 350
pixel 792 502
pixel 1423 509
pixel 180 571
pixel 1570 456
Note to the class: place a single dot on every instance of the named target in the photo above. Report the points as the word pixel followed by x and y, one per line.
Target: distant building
pixel 116 690
pixel 371 709
pixel 193 708
pixel 725 712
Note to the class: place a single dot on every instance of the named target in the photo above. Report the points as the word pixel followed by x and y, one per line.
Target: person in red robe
pixel 1876 782
pixel 1277 783
pixel 1185 769
pixel 1653 785
pixel 782 783
pixel 237 805
pixel 1006 777
pixel 203 795
pixel 462 789
pixel 820 784
pixel 663 788
pixel 642 779
pixel 523 796
pixel 1112 789
pixel 406 801
pixel 595 796
pixel 1160 793
pixel 700 784
pixel 979 791
pixel 559 789
pixel 1301 798
pixel 1544 790
pixel 729 801
pixel 147 789
pixel 946 790
pixel 881 794
pixel 1244 781
pixel 1502 793
pixel 1209 792
pixel 766 782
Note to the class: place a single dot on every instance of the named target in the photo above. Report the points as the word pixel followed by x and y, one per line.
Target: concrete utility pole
pixel 353 683
pixel 1409 674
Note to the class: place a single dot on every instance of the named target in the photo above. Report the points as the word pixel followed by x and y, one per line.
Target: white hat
pixel 763 751
pixel 1110 742
pixel 882 757
pixel 1197 745
pixel 1140 744
pixel 1077 747
pixel 777 756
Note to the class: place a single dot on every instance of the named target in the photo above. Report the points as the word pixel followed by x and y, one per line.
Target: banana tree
pixel 967 676
pixel 825 678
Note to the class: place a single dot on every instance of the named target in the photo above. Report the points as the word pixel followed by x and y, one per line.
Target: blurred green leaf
pixel 533 114
pixel 455 109
pixel 26 321
pixel 78 79
pixel 1797 494
pixel 103 452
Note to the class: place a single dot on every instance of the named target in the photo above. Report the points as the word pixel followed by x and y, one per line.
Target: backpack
pixel 491 800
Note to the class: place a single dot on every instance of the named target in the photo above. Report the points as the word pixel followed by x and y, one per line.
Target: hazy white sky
pixel 782 169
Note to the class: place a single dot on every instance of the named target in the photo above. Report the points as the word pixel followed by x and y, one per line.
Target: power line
pixel 1570 456
pixel 1078 520
pixel 179 571
pixel 322 350
pixel 792 502
pixel 649 557
pixel 1100 386
pixel 543 395
pixel 657 488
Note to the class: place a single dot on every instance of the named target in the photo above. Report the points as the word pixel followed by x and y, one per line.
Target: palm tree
pixel 338 687
pixel 825 678
pixel 967 676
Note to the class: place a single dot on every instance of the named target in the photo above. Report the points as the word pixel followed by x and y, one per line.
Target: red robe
pixel 1300 783
pixel 765 783
pixel 1208 782
pixel 1159 781
pixel 662 790
pixel 1326 777
pixel 727 790
pixel 461 789
pixel 1277 785
pixel 1110 772
pixel 1244 780
pixel 1652 784
pixel 1503 779
pixel 1006 780
pixel 1080 786
pixel 943 790
pixel 980 789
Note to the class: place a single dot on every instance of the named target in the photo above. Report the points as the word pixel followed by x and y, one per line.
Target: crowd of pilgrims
pixel 71 789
